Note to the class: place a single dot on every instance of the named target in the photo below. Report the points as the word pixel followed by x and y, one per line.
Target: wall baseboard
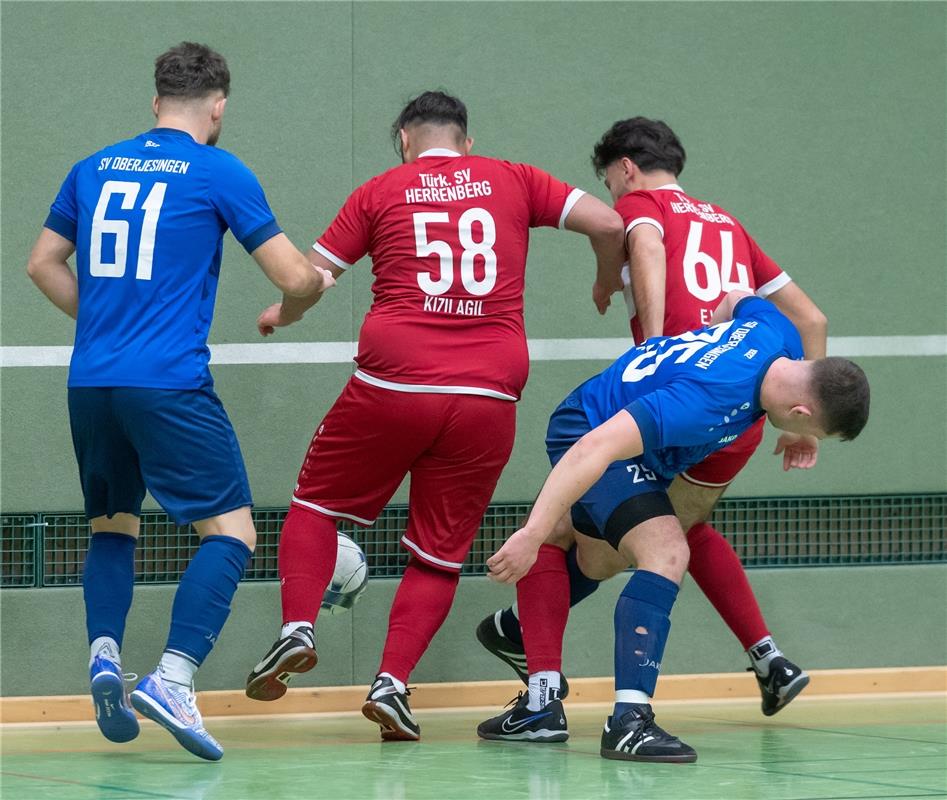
pixel 712 686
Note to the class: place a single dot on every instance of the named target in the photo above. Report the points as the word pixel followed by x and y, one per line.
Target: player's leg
pixel 451 485
pixel 358 456
pixel 656 544
pixel 717 570
pixel 113 490
pixel 191 463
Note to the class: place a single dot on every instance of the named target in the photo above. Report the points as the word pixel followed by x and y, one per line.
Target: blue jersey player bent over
pixel 616 444
pixel 146 219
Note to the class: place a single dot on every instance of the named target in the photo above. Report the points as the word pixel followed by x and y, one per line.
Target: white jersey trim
pixel 322 251
pixel 644 221
pixel 773 286
pixel 329 512
pixel 422 388
pixel 433 559
pixel 571 200
pixel 440 151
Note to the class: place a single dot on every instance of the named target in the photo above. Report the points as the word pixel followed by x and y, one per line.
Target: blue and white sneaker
pixel 174 708
pixel 113 714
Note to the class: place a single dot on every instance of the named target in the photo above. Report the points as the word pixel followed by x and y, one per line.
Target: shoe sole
pixel 531 737
pixel 271 684
pixel 523 676
pixel 792 691
pixel 114 718
pixel 391 728
pixel 617 755
pixel 195 745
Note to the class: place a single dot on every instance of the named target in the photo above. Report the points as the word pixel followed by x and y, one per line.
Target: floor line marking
pixel 141 792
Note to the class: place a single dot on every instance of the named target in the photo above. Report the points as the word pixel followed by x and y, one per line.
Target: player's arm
pixel 582 465
pixel 49 269
pixel 292 308
pixel 648 268
pixel 288 269
pixel 603 226
pixel 812 324
pixel 724 311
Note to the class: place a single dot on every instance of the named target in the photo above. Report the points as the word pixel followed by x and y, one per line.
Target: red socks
pixel 542 596
pixel 420 607
pixel 717 570
pixel 307 550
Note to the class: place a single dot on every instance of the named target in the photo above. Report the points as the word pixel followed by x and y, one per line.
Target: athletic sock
pixel 104 647
pixel 304 628
pixel 580 587
pixel 543 689
pixel 399 685
pixel 202 602
pixel 420 607
pixel 308 546
pixel 761 653
pixel 177 669
pixel 542 595
pixel 717 570
pixel 108 580
pixel 642 624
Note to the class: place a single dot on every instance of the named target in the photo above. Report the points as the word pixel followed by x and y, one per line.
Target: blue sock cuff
pixel 238 546
pixel 114 539
pixel 649 587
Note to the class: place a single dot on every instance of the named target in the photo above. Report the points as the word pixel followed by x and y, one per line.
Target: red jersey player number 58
pixel 471 249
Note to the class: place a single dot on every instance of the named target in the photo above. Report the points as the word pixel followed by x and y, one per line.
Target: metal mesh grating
pixel 765 532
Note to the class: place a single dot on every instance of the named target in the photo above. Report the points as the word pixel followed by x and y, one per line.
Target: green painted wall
pixel 821 125
pixel 830 617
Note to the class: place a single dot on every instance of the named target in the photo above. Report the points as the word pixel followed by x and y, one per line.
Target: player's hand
pixel 799 451
pixel 512 561
pixel 273 318
pixel 602 296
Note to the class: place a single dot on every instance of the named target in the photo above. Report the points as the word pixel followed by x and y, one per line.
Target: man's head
pixel 638 153
pixel 192 81
pixel 432 119
pixel 825 398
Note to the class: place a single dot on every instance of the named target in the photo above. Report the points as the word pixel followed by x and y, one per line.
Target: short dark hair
pixel 650 143
pixel 843 395
pixel 437 108
pixel 191 70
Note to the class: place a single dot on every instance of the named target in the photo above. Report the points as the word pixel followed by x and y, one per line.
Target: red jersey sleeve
pixel 767 274
pixel 348 238
pixel 550 200
pixel 641 208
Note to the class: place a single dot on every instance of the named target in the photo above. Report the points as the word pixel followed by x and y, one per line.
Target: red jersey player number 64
pixel 718 278
pixel 472 249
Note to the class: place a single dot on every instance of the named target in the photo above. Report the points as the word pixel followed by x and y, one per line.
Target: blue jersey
pixel 148 216
pixel 695 393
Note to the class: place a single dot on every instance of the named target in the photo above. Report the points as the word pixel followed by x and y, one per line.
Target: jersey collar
pixel 440 151
pixel 172 131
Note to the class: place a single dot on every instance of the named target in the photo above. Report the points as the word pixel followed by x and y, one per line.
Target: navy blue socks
pixel 202 602
pixel 108 579
pixel 642 624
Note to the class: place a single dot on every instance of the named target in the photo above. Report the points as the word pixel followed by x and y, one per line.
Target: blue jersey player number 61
pixel 101 226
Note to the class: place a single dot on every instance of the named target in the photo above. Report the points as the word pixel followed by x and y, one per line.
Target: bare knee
pixel 118 523
pixel 238 524
pixel 598 563
pixel 563 534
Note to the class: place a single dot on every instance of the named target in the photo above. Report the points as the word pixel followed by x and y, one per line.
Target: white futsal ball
pixel 349 580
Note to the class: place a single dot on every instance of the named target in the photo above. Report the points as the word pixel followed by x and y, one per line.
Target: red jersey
pixel 708 253
pixel 448 236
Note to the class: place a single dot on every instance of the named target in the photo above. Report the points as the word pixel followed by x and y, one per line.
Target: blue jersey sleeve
pixel 681 414
pixel 239 199
pixel 64 212
pixel 756 308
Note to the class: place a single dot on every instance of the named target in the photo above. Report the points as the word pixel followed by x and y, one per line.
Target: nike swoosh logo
pixel 507 728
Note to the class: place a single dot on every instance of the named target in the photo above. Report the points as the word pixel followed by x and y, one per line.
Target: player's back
pixel 448 236
pixel 708 253
pixel 149 214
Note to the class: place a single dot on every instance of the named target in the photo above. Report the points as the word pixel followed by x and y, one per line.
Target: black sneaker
pixel 490 635
pixel 784 681
pixel 389 708
pixel 519 724
pixel 636 737
pixel 289 656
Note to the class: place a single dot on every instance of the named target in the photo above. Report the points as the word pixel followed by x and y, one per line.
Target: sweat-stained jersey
pixel 448 236
pixel 708 253
pixel 147 217
pixel 695 393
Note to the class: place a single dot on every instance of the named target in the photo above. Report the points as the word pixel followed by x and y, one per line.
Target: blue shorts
pixel 176 443
pixel 626 495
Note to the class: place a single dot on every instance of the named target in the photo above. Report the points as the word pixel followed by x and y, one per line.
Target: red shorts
pixel 454 446
pixel 722 466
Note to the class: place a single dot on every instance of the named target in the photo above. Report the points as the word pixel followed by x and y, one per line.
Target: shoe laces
pixel 515 700
pixel 130 677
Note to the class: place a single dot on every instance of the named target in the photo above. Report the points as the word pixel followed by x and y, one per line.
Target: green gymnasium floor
pixel 815 750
